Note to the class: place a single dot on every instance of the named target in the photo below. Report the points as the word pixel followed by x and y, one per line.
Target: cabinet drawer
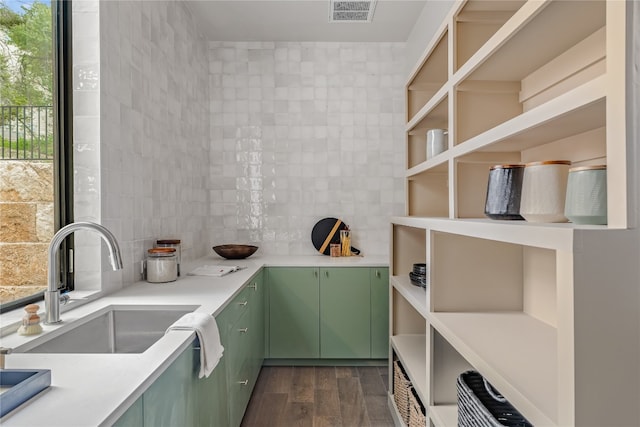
pixel 235 309
pixel 238 344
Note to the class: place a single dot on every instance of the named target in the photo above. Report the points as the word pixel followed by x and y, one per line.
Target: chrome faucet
pixel 52 294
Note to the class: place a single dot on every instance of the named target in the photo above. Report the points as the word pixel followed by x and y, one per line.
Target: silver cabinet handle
pixel 243 330
pixel 315 273
pixel 245 382
pixel 254 286
pixel 326 273
pixel 378 274
pixel 243 303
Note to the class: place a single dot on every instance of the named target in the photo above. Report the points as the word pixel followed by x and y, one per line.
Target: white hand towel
pixel 206 329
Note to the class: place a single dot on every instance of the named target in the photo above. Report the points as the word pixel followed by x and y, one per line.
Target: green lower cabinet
pixel 134 417
pixel 212 407
pixel 171 399
pixel 327 313
pixel 345 313
pixel 243 341
pixel 294 318
pixel 379 313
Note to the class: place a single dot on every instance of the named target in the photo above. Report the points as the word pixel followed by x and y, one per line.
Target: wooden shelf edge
pixel 444 415
pixel 574 100
pixel 432 165
pixel 480 338
pixel 415 295
pixel 441 32
pixel 412 353
pixel 519 19
pixel 555 236
pixel 393 409
pixel 435 100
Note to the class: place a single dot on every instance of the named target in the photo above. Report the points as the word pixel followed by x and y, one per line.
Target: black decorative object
pixel 503 192
pixel 480 405
pixel 418 276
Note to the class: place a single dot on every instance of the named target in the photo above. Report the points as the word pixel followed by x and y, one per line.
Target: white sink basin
pixel 114 329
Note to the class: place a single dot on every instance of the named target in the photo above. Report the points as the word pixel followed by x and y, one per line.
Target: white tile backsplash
pixel 141 130
pixel 300 131
pixel 223 142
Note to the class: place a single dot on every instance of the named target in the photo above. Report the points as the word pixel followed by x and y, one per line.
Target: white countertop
pixel 96 389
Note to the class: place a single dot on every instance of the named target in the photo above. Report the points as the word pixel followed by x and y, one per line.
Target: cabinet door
pixel 134 416
pixel 170 400
pixel 379 313
pixel 212 397
pixel 293 312
pixel 345 313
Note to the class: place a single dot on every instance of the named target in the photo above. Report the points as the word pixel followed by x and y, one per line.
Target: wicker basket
pixel 417 414
pixel 480 405
pixel 401 387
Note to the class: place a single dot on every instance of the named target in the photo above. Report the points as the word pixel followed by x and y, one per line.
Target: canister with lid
pixel 544 189
pixel 504 191
pixel 586 201
pixel 161 265
pixel 172 243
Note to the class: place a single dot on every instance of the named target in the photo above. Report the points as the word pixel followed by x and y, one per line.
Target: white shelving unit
pixel 548 313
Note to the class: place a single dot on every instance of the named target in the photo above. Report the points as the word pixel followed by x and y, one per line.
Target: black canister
pixel 503 192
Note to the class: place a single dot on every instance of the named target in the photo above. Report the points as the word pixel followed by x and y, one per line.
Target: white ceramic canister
pixel 162 265
pixel 544 189
pixel 436 142
pixel 586 201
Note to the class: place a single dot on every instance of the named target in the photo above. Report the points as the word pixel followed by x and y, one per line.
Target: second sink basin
pixel 114 329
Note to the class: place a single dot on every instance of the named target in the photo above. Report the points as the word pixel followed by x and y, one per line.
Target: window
pixel 35 151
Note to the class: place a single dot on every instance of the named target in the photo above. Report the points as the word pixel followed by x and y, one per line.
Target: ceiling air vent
pixel 351 10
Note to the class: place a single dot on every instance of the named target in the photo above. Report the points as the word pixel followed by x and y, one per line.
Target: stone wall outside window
pixel 26 226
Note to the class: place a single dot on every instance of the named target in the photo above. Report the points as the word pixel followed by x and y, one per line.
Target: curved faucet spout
pixel 52 294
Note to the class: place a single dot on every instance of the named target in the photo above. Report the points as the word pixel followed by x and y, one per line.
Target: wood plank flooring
pixel 319 396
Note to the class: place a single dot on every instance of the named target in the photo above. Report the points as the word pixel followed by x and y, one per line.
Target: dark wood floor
pixel 319 397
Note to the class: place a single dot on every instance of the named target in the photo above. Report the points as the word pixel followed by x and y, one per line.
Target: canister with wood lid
pixel 544 189
pixel 586 201
pixel 161 265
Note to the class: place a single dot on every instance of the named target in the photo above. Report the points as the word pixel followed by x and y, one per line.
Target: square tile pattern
pixel 228 142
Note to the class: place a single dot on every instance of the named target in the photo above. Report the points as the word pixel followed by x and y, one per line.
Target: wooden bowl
pixel 235 251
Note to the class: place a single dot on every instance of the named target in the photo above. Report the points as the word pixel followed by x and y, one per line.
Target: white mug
pixel 436 142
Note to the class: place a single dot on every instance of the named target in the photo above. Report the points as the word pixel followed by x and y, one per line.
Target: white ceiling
pixel 301 20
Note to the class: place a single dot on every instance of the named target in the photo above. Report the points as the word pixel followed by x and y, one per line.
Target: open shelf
pixel 575 112
pixel 429 77
pixel 476 22
pixel 513 87
pixel 428 191
pixel 514 351
pixel 435 115
pixel 411 245
pixel 415 295
pixel 412 351
pixel 444 415
pixel 520 81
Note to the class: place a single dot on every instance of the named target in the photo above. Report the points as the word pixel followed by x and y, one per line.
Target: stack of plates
pixel 419 275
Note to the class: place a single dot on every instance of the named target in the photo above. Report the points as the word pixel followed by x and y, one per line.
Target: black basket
pixel 480 405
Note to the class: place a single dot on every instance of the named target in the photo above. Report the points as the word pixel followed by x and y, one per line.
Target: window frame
pixel 61 13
